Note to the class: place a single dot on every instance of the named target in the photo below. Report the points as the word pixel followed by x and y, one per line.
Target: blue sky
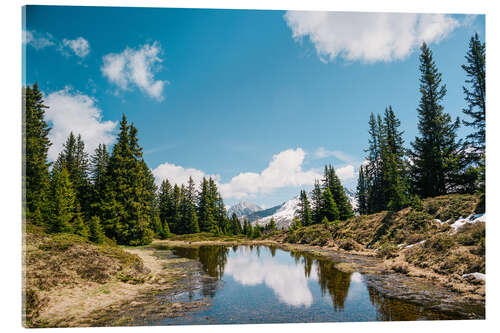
pixel 260 100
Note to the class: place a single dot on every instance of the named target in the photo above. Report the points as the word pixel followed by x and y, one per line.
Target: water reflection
pixel 265 284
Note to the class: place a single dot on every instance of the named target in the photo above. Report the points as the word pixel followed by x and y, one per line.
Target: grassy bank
pixel 70 282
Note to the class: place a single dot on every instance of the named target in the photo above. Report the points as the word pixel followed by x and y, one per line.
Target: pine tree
pixel 332 181
pixel 373 175
pixel 362 192
pixel 36 177
pixel 393 168
pixel 74 158
pixel 126 202
pixel 435 156
pixel 206 208
pixel 63 208
pixel 475 97
pixel 188 209
pixel 96 235
pixel 99 164
pixel 235 225
pixel 165 205
pixel 316 204
pixel 271 226
pixel 176 215
pixel 328 206
pixel 304 209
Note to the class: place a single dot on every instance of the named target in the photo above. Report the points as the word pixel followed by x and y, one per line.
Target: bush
pixel 345 244
pixel 387 250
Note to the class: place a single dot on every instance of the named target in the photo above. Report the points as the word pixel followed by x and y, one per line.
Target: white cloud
pixel 368 37
pixel 37 40
pixel 288 282
pixel 346 172
pixel 79 46
pixel 179 175
pixel 74 112
pixel 135 67
pixel 285 169
pixel 321 152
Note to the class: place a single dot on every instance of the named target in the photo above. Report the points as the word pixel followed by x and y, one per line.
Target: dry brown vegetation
pixel 70 282
pixel 410 241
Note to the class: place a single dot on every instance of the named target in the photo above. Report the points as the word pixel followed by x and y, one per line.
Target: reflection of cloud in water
pixel 288 282
pixel 356 277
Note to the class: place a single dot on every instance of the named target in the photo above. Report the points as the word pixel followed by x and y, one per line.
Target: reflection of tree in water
pixel 336 282
pixel 273 250
pixel 391 309
pixel 308 263
pixel 213 259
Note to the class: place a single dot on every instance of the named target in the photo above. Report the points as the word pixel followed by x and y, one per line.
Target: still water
pixel 261 284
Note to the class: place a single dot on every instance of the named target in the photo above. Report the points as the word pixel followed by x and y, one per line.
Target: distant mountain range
pixel 283 214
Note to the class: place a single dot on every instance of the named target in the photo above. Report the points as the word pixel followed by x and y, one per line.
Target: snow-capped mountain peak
pixel 243 208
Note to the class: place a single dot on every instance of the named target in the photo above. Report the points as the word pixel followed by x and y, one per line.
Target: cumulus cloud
pixel 37 40
pixel 71 111
pixel 80 46
pixel 285 169
pixel 135 67
pixel 288 282
pixel 178 175
pixel 368 37
pixel 346 172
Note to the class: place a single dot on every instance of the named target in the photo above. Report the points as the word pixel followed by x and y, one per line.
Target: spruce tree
pixel 235 225
pixel 475 94
pixel 188 209
pixel 176 215
pixel 475 97
pixel 36 177
pixel 96 234
pixel 332 181
pixel 74 158
pixel 316 203
pixel 99 164
pixel 126 203
pixel 362 192
pixel 435 156
pixel 206 207
pixel 328 206
pixel 63 208
pixel 165 204
pixel 393 167
pixel 373 174
pixel 304 209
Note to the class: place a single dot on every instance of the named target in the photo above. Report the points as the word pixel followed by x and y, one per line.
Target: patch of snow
pixel 476 275
pixel 473 218
pixel 412 245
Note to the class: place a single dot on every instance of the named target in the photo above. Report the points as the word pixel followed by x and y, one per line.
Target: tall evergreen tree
pixel 475 94
pixel 36 177
pixel 332 181
pixel 126 204
pixel 206 208
pixel 304 209
pixel 316 204
pixel 63 209
pixel 99 164
pixel 328 206
pixel 393 167
pixel 373 173
pixel 362 191
pixel 475 97
pixel 74 158
pixel 165 204
pixel 188 209
pixel 235 225
pixel 435 156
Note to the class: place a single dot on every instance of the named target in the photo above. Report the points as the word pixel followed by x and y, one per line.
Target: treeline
pixel 328 202
pixel 107 194
pixel 438 162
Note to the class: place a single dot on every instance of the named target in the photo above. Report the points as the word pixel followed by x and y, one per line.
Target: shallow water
pixel 261 284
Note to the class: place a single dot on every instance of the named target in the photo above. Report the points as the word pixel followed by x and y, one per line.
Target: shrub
pixel 387 250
